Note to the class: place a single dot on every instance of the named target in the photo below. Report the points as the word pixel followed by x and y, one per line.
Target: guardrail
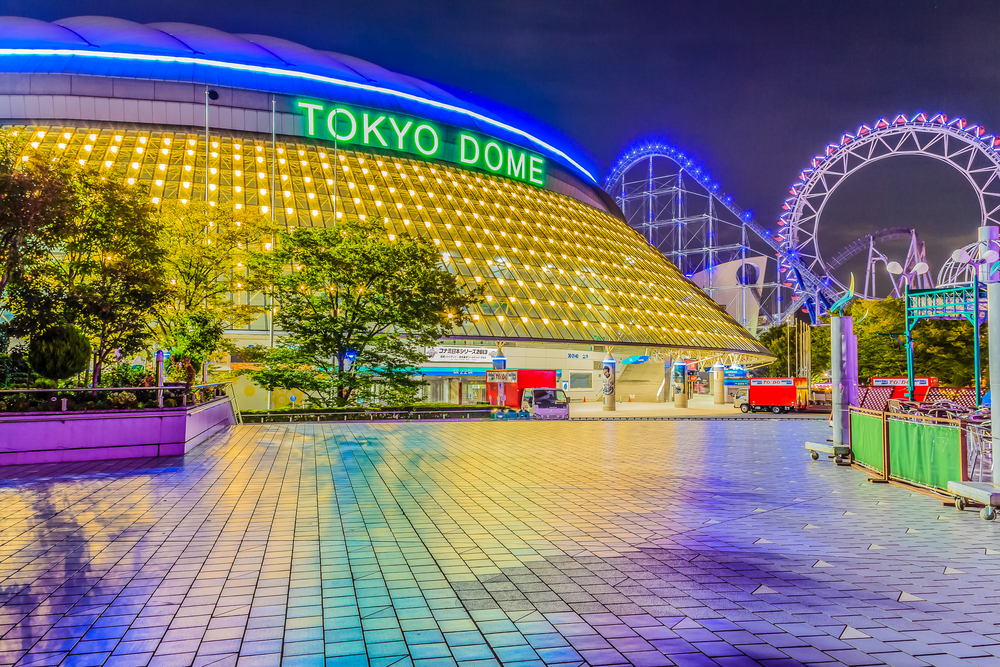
pixel 179 393
pixel 365 415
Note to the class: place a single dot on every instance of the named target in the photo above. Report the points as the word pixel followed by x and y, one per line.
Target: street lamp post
pixel 896 269
pixel 986 255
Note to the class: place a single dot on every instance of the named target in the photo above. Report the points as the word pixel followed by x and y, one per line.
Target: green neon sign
pixel 422 138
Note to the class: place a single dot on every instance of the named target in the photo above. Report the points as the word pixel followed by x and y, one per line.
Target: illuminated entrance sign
pixel 420 137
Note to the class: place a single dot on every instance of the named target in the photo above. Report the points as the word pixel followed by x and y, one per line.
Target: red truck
pixel 775 394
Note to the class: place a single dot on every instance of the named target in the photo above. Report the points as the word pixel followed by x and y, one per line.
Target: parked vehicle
pixel 545 403
pixel 776 395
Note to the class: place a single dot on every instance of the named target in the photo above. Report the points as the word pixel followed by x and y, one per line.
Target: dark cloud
pixel 754 89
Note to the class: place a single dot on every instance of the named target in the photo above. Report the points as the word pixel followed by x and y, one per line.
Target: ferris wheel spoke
pixel 963 147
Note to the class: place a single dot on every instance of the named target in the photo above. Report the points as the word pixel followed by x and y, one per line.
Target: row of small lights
pixel 976 132
pixel 192 142
pixel 192 152
pixel 586 323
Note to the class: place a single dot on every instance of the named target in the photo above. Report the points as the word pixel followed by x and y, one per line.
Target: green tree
pixel 780 340
pixel 775 339
pixel 819 348
pixel 878 326
pixel 941 348
pixel 206 265
pixel 204 336
pixel 944 349
pixel 105 276
pixel 37 206
pixel 358 309
pixel 59 353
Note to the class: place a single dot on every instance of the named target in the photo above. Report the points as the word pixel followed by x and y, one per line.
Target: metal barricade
pixel 979 447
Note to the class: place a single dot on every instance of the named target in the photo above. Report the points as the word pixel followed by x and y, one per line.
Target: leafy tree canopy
pixel 941 348
pixel 206 265
pixel 37 206
pixel 357 308
pixel 104 275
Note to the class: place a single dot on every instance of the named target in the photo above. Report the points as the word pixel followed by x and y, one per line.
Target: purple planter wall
pixel 90 436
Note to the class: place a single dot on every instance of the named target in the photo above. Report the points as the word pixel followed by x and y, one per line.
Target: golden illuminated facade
pixel 310 137
pixel 553 268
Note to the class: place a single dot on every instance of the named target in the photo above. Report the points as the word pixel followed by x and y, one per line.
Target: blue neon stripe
pixel 306 76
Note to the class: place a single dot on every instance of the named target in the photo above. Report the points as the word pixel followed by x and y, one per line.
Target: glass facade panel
pixel 552 268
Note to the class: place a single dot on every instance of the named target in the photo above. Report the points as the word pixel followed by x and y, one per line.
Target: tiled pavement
pixel 650 543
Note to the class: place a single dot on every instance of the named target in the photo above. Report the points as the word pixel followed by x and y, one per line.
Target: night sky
pixel 752 89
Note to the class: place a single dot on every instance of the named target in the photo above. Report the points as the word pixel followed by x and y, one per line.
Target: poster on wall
pixel 460 354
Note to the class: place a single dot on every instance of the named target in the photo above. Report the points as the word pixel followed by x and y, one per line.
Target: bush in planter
pixel 123 399
pixel 122 374
pixel 59 353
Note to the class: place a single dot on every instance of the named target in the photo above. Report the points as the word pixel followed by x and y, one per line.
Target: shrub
pixel 59 353
pixel 123 374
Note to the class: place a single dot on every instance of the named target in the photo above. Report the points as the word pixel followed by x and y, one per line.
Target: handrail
pixel 91 389
pixel 864 411
pixel 235 403
pixel 396 414
pixel 905 416
pixel 170 390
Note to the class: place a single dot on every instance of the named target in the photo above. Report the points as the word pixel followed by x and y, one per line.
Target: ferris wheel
pixel 967 148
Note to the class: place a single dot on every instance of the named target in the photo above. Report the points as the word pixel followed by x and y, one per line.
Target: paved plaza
pixel 700 406
pixel 523 543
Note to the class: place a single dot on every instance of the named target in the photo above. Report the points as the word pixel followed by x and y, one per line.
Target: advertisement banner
pixel 461 354
pixel 501 376
pixel 899 382
pixel 608 377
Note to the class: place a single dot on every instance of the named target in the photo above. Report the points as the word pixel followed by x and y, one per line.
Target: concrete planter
pixel 91 436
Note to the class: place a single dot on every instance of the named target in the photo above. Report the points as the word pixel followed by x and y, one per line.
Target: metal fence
pixel 979 443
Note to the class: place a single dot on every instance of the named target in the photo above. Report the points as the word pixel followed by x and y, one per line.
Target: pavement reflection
pixel 602 543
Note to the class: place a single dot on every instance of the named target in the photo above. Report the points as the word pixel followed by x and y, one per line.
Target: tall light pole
pixel 897 269
pixel 986 254
pixel 269 302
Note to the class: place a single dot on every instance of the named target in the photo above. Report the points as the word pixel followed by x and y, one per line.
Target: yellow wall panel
pixel 552 267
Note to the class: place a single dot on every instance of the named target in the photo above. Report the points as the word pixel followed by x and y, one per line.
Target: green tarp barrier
pixel 924 453
pixel 866 440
